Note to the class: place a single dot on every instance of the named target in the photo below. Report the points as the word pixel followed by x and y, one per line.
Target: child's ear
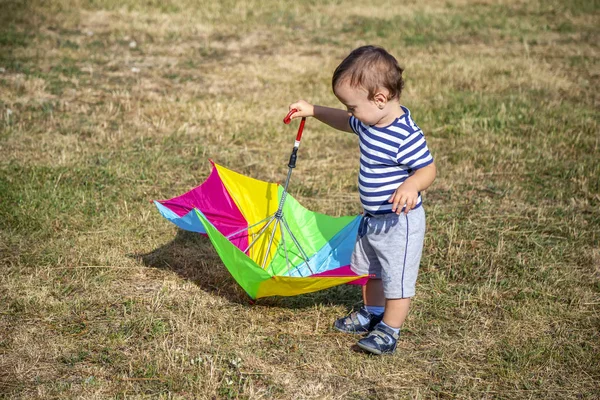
pixel 380 100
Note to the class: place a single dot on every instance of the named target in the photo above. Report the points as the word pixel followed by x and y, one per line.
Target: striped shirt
pixel 388 156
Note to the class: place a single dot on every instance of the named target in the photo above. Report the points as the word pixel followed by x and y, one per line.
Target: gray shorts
pixel 389 246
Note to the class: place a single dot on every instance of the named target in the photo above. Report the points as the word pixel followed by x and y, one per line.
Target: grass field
pixel 106 105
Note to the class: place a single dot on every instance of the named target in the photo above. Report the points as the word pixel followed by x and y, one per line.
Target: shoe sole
pixel 369 349
pixel 375 351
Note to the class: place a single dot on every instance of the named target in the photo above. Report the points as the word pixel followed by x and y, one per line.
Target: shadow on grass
pixel 193 257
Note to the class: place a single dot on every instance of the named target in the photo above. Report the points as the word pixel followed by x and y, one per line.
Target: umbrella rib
pixel 287 260
pixel 270 243
pixel 262 230
pixel 304 256
pixel 248 227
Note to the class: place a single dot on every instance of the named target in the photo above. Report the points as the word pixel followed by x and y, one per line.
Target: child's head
pixel 366 81
pixel 371 68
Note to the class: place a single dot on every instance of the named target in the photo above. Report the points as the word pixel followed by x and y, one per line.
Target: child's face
pixel 356 100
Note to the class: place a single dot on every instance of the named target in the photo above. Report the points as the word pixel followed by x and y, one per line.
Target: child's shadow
pixel 193 257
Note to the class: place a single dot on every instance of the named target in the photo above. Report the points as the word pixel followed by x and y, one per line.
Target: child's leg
pixel 398 243
pixel 369 315
pixel 373 293
pixel 399 249
pixel 364 262
pixel 396 311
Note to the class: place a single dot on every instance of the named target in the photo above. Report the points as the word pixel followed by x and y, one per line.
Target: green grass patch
pixel 100 297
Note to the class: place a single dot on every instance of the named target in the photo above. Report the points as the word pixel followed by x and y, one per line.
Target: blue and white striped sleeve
pixel 354 124
pixel 413 152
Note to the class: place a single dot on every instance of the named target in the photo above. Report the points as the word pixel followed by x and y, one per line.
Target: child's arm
pixel 336 118
pixel 408 192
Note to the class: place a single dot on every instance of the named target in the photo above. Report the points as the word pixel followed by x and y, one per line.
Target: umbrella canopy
pixel 305 252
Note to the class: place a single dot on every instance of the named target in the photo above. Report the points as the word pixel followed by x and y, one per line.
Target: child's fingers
pixel 391 199
pixel 305 109
pixel 410 204
pixel 399 201
pixel 298 113
pixel 402 204
pixel 294 106
pixel 395 199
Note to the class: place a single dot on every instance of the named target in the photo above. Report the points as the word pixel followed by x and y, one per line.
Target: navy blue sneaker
pixel 351 324
pixel 381 340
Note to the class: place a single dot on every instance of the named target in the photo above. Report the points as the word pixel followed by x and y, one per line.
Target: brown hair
pixel 371 68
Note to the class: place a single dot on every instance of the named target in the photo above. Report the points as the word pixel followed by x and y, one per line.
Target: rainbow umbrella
pixel 271 245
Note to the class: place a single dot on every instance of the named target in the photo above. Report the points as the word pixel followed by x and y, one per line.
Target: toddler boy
pixel 395 166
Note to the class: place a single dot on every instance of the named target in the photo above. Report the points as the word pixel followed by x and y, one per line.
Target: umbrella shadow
pixel 192 257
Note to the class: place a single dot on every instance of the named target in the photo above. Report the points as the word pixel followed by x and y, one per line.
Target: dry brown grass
pixel 101 298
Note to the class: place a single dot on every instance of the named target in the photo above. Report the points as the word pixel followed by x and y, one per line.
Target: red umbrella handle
pixel 288 119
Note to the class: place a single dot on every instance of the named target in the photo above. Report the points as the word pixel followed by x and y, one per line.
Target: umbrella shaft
pixel 279 212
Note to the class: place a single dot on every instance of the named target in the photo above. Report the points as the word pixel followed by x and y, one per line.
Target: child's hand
pixel 305 109
pixel 406 193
